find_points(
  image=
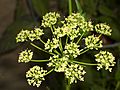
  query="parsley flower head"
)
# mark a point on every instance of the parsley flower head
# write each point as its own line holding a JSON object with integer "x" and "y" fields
{"x": 52, "y": 44}
{"x": 25, "y": 56}
{"x": 103, "y": 29}
{"x": 74, "y": 72}
{"x": 35, "y": 75}
{"x": 74, "y": 20}
{"x": 105, "y": 59}
{"x": 22, "y": 36}
{"x": 92, "y": 42}
{"x": 72, "y": 49}
{"x": 50, "y": 19}
{"x": 59, "y": 64}
{"x": 35, "y": 34}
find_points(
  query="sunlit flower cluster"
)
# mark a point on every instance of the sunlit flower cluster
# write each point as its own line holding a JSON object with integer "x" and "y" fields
{"x": 35, "y": 75}
{"x": 25, "y": 56}
{"x": 58, "y": 63}
{"x": 32, "y": 35}
{"x": 72, "y": 50}
{"x": 50, "y": 19}
{"x": 103, "y": 29}
{"x": 105, "y": 59}
{"x": 22, "y": 36}
{"x": 93, "y": 42}
{"x": 74, "y": 72}
{"x": 50, "y": 45}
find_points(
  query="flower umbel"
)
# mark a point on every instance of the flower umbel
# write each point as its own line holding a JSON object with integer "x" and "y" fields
{"x": 58, "y": 63}
{"x": 105, "y": 59}
{"x": 22, "y": 36}
{"x": 103, "y": 29}
{"x": 69, "y": 40}
{"x": 93, "y": 42}
{"x": 35, "y": 75}
{"x": 72, "y": 49}
{"x": 25, "y": 56}
{"x": 52, "y": 44}
{"x": 50, "y": 19}
{"x": 74, "y": 72}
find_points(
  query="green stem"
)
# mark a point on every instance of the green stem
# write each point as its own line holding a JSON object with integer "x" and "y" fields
{"x": 67, "y": 84}
{"x": 41, "y": 49}
{"x": 42, "y": 41}
{"x": 99, "y": 35}
{"x": 78, "y": 6}
{"x": 49, "y": 71}
{"x": 66, "y": 40}
{"x": 80, "y": 38}
{"x": 60, "y": 43}
{"x": 84, "y": 51}
{"x": 117, "y": 86}
{"x": 51, "y": 29}
{"x": 40, "y": 60}
{"x": 57, "y": 52}
{"x": 83, "y": 63}
{"x": 70, "y": 7}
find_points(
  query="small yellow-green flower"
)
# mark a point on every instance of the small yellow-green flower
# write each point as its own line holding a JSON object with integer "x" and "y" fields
{"x": 25, "y": 56}
{"x": 93, "y": 42}
{"x": 60, "y": 64}
{"x": 74, "y": 72}
{"x": 105, "y": 59}
{"x": 103, "y": 29}
{"x": 35, "y": 75}
{"x": 50, "y": 19}
{"x": 72, "y": 50}
{"x": 22, "y": 36}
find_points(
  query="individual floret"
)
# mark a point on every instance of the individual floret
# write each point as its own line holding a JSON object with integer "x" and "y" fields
{"x": 93, "y": 42}
{"x": 74, "y": 72}
{"x": 103, "y": 29}
{"x": 105, "y": 59}
{"x": 35, "y": 75}
{"x": 25, "y": 56}
{"x": 50, "y": 19}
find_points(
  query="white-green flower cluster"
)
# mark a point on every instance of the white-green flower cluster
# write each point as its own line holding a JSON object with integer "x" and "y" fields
{"x": 35, "y": 34}
{"x": 77, "y": 20}
{"x": 50, "y": 45}
{"x": 93, "y": 42}
{"x": 72, "y": 50}
{"x": 25, "y": 56}
{"x": 35, "y": 75}
{"x": 105, "y": 59}
{"x": 32, "y": 35}
{"x": 22, "y": 36}
{"x": 50, "y": 19}
{"x": 59, "y": 64}
{"x": 74, "y": 72}
{"x": 103, "y": 29}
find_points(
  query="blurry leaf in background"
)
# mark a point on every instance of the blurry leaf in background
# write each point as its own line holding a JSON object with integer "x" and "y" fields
{"x": 104, "y": 10}
{"x": 40, "y": 6}
{"x": 8, "y": 41}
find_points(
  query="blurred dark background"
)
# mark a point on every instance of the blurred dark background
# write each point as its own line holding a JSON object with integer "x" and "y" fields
{"x": 26, "y": 14}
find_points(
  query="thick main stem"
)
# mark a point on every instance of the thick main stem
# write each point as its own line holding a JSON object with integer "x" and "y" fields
{"x": 70, "y": 7}
{"x": 67, "y": 84}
